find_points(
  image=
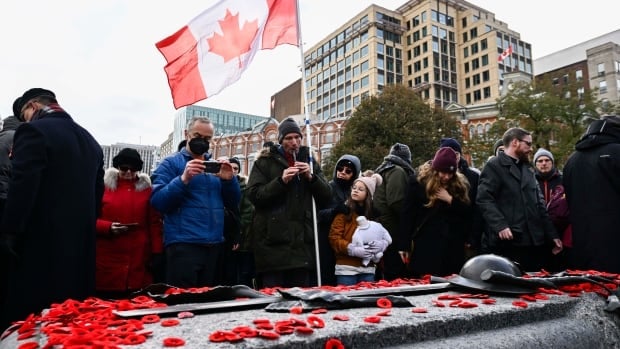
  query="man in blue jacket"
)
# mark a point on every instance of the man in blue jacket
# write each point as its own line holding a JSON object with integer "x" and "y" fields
{"x": 192, "y": 202}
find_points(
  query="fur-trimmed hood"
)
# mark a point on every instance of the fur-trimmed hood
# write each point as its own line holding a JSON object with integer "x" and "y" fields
{"x": 110, "y": 180}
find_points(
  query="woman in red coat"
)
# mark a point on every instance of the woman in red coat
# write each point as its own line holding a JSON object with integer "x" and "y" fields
{"x": 128, "y": 229}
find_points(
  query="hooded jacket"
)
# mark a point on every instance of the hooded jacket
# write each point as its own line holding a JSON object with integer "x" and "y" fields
{"x": 283, "y": 233}
{"x": 592, "y": 184}
{"x": 193, "y": 213}
{"x": 340, "y": 192}
{"x": 122, "y": 259}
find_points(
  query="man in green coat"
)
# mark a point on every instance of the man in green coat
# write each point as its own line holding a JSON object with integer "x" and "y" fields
{"x": 281, "y": 187}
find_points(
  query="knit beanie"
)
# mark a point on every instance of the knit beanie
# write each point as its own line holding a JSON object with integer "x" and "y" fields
{"x": 235, "y": 160}
{"x": 451, "y": 143}
{"x": 402, "y": 151}
{"x": 371, "y": 182}
{"x": 128, "y": 156}
{"x": 288, "y": 126}
{"x": 543, "y": 152}
{"x": 445, "y": 160}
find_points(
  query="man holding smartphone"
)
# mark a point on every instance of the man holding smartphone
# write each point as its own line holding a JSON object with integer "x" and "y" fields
{"x": 281, "y": 187}
{"x": 192, "y": 202}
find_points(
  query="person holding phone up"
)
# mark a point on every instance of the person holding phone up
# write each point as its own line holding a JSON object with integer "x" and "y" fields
{"x": 193, "y": 201}
{"x": 129, "y": 241}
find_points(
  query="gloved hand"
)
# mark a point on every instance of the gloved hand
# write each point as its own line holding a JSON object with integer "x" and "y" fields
{"x": 341, "y": 208}
{"x": 358, "y": 251}
{"x": 377, "y": 246}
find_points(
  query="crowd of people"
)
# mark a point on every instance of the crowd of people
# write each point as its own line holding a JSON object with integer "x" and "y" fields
{"x": 71, "y": 229}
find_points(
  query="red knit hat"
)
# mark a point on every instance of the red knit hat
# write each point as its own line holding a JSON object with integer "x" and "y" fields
{"x": 445, "y": 160}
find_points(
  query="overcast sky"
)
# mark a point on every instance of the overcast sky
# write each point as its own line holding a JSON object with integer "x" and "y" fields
{"x": 99, "y": 57}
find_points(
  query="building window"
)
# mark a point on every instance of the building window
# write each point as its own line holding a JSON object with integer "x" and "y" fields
{"x": 602, "y": 87}
{"x": 579, "y": 75}
{"x": 601, "y": 69}
{"x": 466, "y": 52}
{"x": 487, "y": 92}
{"x": 483, "y": 44}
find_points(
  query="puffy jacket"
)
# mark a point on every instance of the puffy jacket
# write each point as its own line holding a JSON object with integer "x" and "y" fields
{"x": 193, "y": 213}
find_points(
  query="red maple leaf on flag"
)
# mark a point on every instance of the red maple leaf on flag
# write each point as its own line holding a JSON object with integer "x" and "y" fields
{"x": 236, "y": 40}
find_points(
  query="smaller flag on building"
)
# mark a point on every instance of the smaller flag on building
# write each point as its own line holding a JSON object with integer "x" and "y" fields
{"x": 507, "y": 52}
{"x": 215, "y": 48}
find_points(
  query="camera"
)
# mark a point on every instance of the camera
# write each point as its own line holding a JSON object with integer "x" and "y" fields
{"x": 212, "y": 166}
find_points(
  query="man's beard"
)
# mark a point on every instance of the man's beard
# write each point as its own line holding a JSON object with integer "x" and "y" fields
{"x": 523, "y": 156}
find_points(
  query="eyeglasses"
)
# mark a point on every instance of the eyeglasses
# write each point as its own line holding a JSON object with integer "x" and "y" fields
{"x": 344, "y": 169}
{"x": 529, "y": 144}
{"x": 126, "y": 168}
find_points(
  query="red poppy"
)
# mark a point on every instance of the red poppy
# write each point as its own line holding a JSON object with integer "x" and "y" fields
{"x": 174, "y": 342}
{"x": 185, "y": 315}
{"x": 264, "y": 326}
{"x": 419, "y": 310}
{"x": 150, "y": 319}
{"x": 303, "y": 330}
{"x": 217, "y": 336}
{"x": 170, "y": 322}
{"x": 466, "y": 304}
{"x": 268, "y": 335}
{"x": 26, "y": 335}
{"x": 384, "y": 303}
{"x": 260, "y": 320}
{"x": 520, "y": 304}
{"x": 488, "y": 301}
{"x": 334, "y": 343}
{"x": 316, "y": 321}
{"x": 384, "y": 313}
{"x": 284, "y": 329}
{"x": 319, "y": 311}
{"x": 297, "y": 310}
{"x": 341, "y": 317}
{"x": 134, "y": 339}
{"x": 373, "y": 319}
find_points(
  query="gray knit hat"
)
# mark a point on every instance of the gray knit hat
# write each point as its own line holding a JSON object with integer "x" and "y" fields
{"x": 543, "y": 152}
{"x": 288, "y": 126}
{"x": 402, "y": 151}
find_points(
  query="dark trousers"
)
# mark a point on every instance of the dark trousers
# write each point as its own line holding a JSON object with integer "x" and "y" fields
{"x": 192, "y": 265}
{"x": 286, "y": 278}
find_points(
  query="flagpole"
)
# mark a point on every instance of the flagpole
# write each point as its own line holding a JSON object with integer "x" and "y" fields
{"x": 308, "y": 140}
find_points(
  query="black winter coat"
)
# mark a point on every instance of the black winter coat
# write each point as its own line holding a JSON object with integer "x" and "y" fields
{"x": 283, "y": 233}
{"x": 592, "y": 184}
{"x": 54, "y": 197}
{"x": 509, "y": 197}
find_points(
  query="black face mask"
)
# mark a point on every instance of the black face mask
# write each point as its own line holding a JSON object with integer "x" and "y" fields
{"x": 198, "y": 146}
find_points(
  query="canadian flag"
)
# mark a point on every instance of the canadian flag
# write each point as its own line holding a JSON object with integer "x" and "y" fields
{"x": 214, "y": 49}
{"x": 507, "y": 52}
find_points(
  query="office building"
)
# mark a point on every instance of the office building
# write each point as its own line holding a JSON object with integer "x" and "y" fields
{"x": 448, "y": 51}
{"x": 593, "y": 65}
{"x": 225, "y": 121}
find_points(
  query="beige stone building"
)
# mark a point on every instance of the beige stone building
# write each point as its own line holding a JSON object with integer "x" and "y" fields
{"x": 448, "y": 51}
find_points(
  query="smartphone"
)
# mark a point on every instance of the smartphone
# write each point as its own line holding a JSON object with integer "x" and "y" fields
{"x": 212, "y": 166}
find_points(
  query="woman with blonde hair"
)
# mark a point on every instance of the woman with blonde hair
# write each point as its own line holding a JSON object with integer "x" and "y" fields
{"x": 434, "y": 217}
